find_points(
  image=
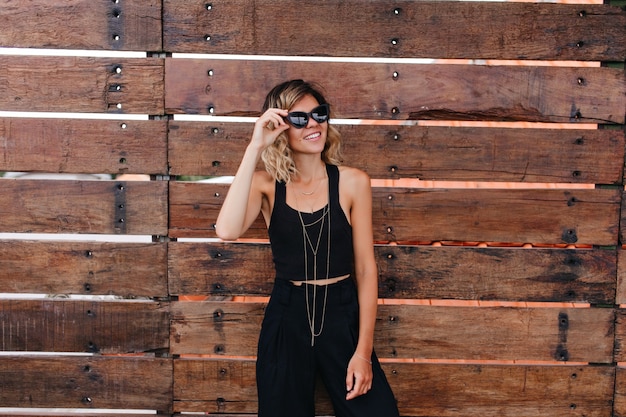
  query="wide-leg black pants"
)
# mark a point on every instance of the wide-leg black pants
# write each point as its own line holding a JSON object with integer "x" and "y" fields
{"x": 287, "y": 364}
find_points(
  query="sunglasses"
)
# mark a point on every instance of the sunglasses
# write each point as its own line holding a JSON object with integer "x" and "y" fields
{"x": 300, "y": 119}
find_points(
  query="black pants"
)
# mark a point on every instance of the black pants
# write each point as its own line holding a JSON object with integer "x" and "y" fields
{"x": 287, "y": 364}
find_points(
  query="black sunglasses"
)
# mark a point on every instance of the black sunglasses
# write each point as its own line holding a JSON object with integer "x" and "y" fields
{"x": 300, "y": 119}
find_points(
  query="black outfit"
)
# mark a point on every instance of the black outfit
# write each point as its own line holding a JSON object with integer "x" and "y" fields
{"x": 287, "y": 363}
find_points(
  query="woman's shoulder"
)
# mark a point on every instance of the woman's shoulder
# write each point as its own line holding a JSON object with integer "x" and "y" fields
{"x": 353, "y": 176}
{"x": 263, "y": 182}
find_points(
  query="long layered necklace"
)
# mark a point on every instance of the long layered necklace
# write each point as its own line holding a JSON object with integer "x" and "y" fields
{"x": 308, "y": 243}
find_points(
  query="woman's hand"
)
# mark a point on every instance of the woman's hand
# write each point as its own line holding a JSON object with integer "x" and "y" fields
{"x": 359, "y": 377}
{"x": 268, "y": 127}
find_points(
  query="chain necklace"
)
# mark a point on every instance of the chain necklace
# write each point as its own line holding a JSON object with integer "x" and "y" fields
{"x": 306, "y": 240}
{"x": 311, "y": 192}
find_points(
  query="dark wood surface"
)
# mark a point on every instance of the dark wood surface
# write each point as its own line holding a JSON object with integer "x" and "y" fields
{"x": 65, "y": 206}
{"x": 81, "y": 84}
{"x": 126, "y": 270}
{"x": 92, "y": 326}
{"x": 442, "y": 92}
{"x": 445, "y": 332}
{"x": 83, "y": 146}
{"x": 132, "y": 25}
{"x": 418, "y": 272}
{"x": 421, "y": 389}
{"x": 407, "y": 29}
{"x": 412, "y": 214}
{"x": 86, "y": 382}
{"x": 427, "y": 153}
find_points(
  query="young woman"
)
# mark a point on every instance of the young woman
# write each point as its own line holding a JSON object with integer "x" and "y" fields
{"x": 321, "y": 314}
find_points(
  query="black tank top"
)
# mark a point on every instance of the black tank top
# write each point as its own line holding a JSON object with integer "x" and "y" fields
{"x": 288, "y": 243}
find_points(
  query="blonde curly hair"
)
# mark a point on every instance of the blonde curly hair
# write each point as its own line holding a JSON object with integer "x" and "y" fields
{"x": 278, "y": 157}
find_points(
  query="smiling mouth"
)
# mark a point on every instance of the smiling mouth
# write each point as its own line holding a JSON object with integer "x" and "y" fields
{"x": 313, "y": 136}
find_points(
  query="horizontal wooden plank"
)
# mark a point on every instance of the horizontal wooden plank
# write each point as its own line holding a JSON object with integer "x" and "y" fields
{"x": 113, "y": 207}
{"x": 86, "y": 382}
{"x": 406, "y": 29}
{"x": 83, "y": 326}
{"x": 536, "y": 216}
{"x": 413, "y": 272}
{"x": 81, "y": 84}
{"x": 86, "y": 268}
{"x": 422, "y": 389}
{"x": 485, "y": 333}
{"x": 130, "y": 25}
{"x": 83, "y": 146}
{"x": 379, "y": 90}
{"x": 583, "y": 216}
{"x": 429, "y": 153}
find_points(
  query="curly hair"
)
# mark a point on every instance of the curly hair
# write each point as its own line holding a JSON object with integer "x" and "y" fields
{"x": 278, "y": 157}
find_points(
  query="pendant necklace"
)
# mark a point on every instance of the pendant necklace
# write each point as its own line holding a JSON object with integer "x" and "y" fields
{"x": 308, "y": 243}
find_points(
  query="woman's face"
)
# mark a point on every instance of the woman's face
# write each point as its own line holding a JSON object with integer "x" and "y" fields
{"x": 312, "y": 138}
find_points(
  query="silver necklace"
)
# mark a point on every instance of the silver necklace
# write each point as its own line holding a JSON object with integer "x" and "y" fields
{"x": 306, "y": 240}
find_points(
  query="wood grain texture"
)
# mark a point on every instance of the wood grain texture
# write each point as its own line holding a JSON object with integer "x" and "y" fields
{"x": 83, "y": 146}
{"x": 582, "y": 216}
{"x": 372, "y": 91}
{"x": 133, "y": 25}
{"x": 81, "y": 84}
{"x": 404, "y": 29}
{"x": 422, "y": 389}
{"x": 620, "y": 297}
{"x": 93, "y": 326}
{"x": 86, "y": 382}
{"x": 471, "y": 333}
{"x": 111, "y": 207}
{"x": 128, "y": 270}
{"x": 427, "y": 153}
{"x": 413, "y": 272}
{"x": 619, "y": 408}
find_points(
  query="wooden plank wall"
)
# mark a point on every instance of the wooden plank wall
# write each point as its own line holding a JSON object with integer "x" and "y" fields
{"x": 501, "y": 271}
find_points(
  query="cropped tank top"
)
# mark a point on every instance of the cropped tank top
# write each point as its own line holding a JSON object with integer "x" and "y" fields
{"x": 289, "y": 243}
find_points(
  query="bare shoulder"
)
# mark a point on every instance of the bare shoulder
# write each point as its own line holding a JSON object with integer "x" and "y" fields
{"x": 354, "y": 178}
{"x": 263, "y": 182}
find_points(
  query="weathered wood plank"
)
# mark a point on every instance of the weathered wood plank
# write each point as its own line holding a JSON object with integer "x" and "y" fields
{"x": 619, "y": 407}
{"x": 422, "y": 389}
{"x": 86, "y": 382}
{"x": 371, "y": 91}
{"x": 83, "y": 146}
{"x": 83, "y": 326}
{"x": 620, "y": 297}
{"x": 418, "y": 272}
{"x": 622, "y": 229}
{"x": 546, "y": 216}
{"x": 133, "y": 25}
{"x": 430, "y": 153}
{"x": 107, "y": 85}
{"x": 406, "y": 29}
{"x": 620, "y": 335}
{"x": 581, "y": 216}
{"x": 486, "y": 333}
{"x": 87, "y": 268}
{"x": 114, "y": 207}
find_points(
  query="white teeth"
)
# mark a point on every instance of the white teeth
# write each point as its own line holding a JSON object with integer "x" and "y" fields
{"x": 313, "y": 136}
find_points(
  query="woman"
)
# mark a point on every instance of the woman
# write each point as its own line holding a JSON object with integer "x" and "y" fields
{"x": 321, "y": 314}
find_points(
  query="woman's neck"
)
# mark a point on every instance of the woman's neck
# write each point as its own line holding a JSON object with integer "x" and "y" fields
{"x": 309, "y": 169}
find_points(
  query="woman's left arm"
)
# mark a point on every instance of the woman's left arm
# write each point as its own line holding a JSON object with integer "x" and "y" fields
{"x": 359, "y": 377}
